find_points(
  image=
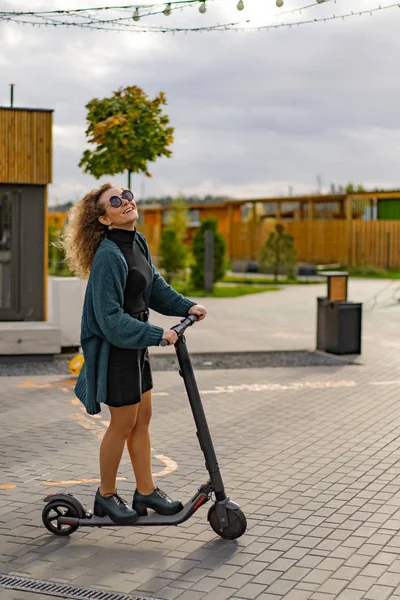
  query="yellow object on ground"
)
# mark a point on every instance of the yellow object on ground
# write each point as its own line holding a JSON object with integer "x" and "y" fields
{"x": 75, "y": 364}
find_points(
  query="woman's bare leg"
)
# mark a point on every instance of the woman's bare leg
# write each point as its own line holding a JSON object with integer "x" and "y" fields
{"x": 123, "y": 421}
{"x": 139, "y": 447}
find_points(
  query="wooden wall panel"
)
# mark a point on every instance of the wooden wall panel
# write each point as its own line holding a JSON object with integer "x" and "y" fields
{"x": 367, "y": 243}
{"x": 25, "y": 146}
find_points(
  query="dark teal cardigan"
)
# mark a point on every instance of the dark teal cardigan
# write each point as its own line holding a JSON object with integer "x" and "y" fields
{"x": 104, "y": 321}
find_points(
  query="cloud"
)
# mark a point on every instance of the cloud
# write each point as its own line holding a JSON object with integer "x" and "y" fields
{"x": 254, "y": 112}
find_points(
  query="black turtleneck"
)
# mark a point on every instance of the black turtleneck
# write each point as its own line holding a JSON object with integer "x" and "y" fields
{"x": 139, "y": 271}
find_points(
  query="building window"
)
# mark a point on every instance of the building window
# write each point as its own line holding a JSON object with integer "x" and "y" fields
{"x": 165, "y": 217}
{"x": 194, "y": 217}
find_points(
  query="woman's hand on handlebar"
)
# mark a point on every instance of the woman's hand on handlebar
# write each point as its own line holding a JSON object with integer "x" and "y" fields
{"x": 170, "y": 336}
{"x": 199, "y": 310}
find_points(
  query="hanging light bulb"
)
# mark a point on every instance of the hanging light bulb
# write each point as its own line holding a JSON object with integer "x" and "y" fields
{"x": 279, "y": 3}
{"x": 167, "y": 10}
{"x": 240, "y": 5}
{"x": 136, "y": 15}
{"x": 202, "y": 8}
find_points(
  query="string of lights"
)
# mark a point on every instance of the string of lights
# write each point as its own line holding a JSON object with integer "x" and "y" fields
{"x": 333, "y": 17}
{"x": 131, "y": 11}
{"x": 300, "y": 9}
{"x": 139, "y": 10}
{"x": 175, "y": 3}
{"x": 125, "y": 23}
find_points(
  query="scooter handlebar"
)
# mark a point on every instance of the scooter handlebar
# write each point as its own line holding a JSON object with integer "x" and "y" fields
{"x": 181, "y": 327}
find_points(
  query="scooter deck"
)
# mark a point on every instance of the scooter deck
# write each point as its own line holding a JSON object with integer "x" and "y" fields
{"x": 153, "y": 518}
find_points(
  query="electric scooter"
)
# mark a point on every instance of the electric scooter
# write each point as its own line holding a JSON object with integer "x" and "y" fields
{"x": 64, "y": 513}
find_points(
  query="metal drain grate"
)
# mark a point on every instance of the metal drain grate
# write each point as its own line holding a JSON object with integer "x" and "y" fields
{"x": 61, "y": 590}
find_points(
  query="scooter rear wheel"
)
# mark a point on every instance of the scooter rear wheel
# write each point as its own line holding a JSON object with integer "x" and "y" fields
{"x": 237, "y": 523}
{"x": 55, "y": 509}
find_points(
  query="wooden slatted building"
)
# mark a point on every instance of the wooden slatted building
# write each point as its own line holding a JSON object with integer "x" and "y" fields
{"x": 25, "y": 172}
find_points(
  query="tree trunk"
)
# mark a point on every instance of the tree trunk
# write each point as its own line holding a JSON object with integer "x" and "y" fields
{"x": 129, "y": 180}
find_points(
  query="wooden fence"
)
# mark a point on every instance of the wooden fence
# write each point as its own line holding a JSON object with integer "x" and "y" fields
{"x": 351, "y": 243}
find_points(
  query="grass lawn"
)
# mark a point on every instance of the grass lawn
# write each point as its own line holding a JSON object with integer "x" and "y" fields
{"x": 226, "y": 291}
{"x": 266, "y": 280}
{"x": 373, "y": 273}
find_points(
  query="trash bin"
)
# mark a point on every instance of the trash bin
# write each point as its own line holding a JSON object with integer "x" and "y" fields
{"x": 338, "y": 320}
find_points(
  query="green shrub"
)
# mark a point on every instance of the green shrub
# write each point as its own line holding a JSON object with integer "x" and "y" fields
{"x": 278, "y": 253}
{"x": 178, "y": 217}
{"x": 172, "y": 254}
{"x": 56, "y": 253}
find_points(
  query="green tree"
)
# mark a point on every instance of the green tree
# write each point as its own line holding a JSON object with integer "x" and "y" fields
{"x": 278, "y": 253}
{"x": 352, "y": 189}
{"x": 198, "y": 248}
{"x": 172, "y": 254}
{"x": 128, "y": 131}
{"x": 178, "y": 217}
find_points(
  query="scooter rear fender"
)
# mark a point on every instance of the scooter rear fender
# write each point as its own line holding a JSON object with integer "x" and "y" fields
{"x": 68, "y": 497}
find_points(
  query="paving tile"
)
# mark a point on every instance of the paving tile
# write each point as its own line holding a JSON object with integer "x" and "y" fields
{"x": 384, "y": 558}
{"x": 220, "y": 593}
{"x": 333, "y": 586}
{"x": 281, "y": 586}
{"x": 206, "y": 584}
{"x": 358, "y": 561}
{"x": 181, "y": 584}
{"x": 362, "y": 583}
{"x": 296, "y": 573}
{"x": 317, "y": 576}
{"x": 372, "y": 570}
{"x": 331, "y": 564}
{"x": 348, "y": 594}
{"x": 169, "y": 593}
{"x": 267, "y": 577}
{"x": 253, "y": 568}
{"x": 379, "y": 592}
{"x": 194, "y": 574}
{"x": 297, "y": 594}
{"x": 389, "y": 579}
{"x": 236, "y": 581}
{"x": 310, "y": 561}
{"x": 154, "y": 585}
{"x": 347, "y": 573}
{"x": 225, "y": 571}
{"x": 282, "y": 564}
{"x": 191, "y": 595}
{"x": 252, "y": 590}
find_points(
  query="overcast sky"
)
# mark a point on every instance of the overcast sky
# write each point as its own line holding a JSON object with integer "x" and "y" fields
{"x": 254, "y": 112}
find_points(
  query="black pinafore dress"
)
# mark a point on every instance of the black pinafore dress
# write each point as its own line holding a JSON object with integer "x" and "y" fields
{"x": 129, "y": 372}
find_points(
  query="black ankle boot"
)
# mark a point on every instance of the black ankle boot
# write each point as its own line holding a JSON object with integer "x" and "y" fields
{"x": 158, "y": 501}
{"x": 114, "y": 507}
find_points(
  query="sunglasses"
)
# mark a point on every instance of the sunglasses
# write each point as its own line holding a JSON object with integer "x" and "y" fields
{"x": 116, "y": 201}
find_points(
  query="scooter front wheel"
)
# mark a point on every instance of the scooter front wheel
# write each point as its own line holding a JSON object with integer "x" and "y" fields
{"x": 55, "y": 509}
{"x": 237, "y": 523}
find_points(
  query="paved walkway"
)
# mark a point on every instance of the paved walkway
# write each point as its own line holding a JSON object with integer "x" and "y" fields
{"x": 286, "y": 320}
{"x": 310, "y": 454}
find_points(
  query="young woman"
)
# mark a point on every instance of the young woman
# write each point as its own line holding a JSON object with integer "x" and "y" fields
{"x": 103, "y": 244}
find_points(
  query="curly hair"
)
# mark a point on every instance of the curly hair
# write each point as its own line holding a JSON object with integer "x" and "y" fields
{"x": 83, "y": 232}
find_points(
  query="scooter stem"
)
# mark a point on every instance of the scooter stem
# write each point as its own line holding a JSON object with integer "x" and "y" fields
{"x": 203, "y": 432}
